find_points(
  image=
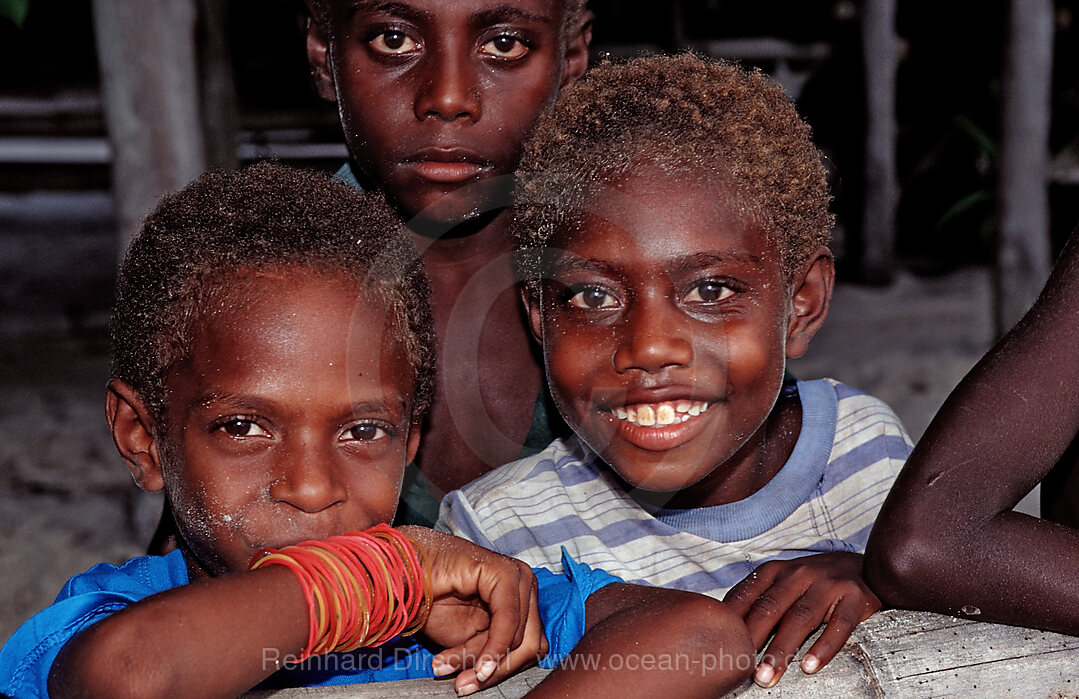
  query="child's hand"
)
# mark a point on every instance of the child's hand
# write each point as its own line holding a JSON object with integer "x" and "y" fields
{"x": 793, "y": 598}
{"x": 485, "y": 611}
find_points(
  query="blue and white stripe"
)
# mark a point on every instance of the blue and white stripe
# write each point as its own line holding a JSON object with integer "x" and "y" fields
{"x": 825, "y": 498}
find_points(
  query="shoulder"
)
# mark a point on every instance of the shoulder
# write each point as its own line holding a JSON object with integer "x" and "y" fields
{"x": 869, "y": 449}
{"x": 27, "y": 657}
{"x": 137, "y": 578}
{"x": 861, "y": 417}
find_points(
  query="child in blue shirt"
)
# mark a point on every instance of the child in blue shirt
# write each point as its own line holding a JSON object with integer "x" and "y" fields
{"x": 672, "y": 223}
{"x": 272, "y": 358}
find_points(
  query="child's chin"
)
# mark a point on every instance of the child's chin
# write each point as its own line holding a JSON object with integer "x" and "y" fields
{"x": 662, "y": 474}
{"x": 441, "y": 208}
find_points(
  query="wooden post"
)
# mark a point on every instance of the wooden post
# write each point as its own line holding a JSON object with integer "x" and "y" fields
{"x": 880, "y": 55}
{"x": 149, "y": 84}
{"x": 1023, "y": 238}
{"x": 220, "y": 112}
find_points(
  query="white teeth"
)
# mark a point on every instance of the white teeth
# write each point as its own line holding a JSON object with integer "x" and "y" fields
{"x": 660, "y": 414}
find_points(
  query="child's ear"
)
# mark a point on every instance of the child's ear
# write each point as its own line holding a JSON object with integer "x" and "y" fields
{"x": 133, "y": 431}
{"x": 810, "y": 300}
{"x": 318, "y": 56}
{"x": 530, "y": 298}
{"x": 577, "y": 43}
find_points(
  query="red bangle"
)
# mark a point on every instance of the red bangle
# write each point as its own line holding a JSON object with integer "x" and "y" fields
{"x": 361, "y": 589}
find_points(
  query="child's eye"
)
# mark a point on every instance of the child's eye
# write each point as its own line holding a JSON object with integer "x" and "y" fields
{"x": 505, "y": 46}
{"x": 393, "y": 43}
{"x": 592, "y": 297}
{"x": 708, "y": 292}
{"x": 241, "y": 427}
{"x": 363, "y": 432}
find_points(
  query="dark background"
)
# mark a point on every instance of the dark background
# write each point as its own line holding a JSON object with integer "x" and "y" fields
{"x": 948, "y": 97}
{"x": 66, "y": 502}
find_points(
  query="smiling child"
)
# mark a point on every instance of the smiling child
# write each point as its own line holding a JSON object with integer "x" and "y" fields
{"x": 271, "y": 362}
{"x": 673, "y": 221}
{"x": 436, "y": 99}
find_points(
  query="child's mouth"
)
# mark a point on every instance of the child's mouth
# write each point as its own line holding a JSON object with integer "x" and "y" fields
{"x": 658, "y": 415}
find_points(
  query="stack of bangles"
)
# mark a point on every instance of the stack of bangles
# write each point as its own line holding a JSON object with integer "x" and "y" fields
{"x": 362, "y": 588}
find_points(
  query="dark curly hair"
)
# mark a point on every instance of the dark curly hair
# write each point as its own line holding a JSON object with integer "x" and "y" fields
{"x": 266, "y": 216}
{"x": 689, "y": 115}
{"x": 320, "y": 12}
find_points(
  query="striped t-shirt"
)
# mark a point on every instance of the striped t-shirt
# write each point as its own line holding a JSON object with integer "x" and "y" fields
{"x": 825, "y": 498}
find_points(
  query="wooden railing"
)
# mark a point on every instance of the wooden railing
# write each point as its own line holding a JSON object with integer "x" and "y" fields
{"x": 894, "y": 654}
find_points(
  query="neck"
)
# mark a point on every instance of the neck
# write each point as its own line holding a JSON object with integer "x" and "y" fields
{"x": 468, "y": 244}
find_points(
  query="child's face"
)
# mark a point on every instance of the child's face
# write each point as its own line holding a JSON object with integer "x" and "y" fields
{"x": 665, "y": 325}
{"x": 290, "y": 421}
{"x": 436, "y": 96}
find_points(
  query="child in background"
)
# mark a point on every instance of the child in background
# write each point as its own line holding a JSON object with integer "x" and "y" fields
{"x": 271, "y": 361}
{"x": 672, "y": 222}
{"x": 948, "y": 540}
{"x": 436, "y": 99}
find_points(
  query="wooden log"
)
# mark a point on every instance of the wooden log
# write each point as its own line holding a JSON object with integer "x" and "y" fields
{"x": 896, "y": 653}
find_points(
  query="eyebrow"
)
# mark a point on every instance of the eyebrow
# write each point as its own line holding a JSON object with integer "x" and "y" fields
{"x": 356, "y": 409}
{"x": 581, "y": 264}
{"x": 391, "y": 8}
{"x": 701, "y": 260}
{"x": 494, "y": 15}
{"x": 508, "y": 13}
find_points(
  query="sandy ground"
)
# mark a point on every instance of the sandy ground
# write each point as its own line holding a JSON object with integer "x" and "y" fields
{"x": 66, "y": 501}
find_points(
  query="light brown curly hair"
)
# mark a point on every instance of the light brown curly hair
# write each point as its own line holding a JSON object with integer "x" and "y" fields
{"x": 693, "y": 117}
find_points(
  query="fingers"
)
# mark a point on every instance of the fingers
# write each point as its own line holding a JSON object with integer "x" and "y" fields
{"x": 850, "y": 612}
{"x": 480, "y": 662}
{"x": 511, "y": 596}
{"x": 792, "y": 598}
{"x": 772, "y": 604}
{"x": 799, "y": 622}
{"x": 742, "y": 596}
{"x": 459, "y": 657}
{"x": 843, "y": 605}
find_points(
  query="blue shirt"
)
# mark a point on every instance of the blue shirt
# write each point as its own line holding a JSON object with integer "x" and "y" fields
{"x": 27, "y": 657}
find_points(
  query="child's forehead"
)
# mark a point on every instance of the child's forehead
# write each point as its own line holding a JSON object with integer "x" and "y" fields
{"x": 241, "y": 301}
{"x": 433, "y": 9}
{"x": 292, "y": 316}
{"x": 651, "y": 212}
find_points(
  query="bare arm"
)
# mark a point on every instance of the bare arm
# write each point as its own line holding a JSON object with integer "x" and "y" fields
{"x": 946, "y": 539}
{"x": 644, "y": 641}
{"x": 222, "y": 636}
{"x": 203, "y": 639}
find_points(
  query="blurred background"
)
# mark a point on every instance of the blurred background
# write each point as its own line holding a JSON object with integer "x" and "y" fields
{"x": 950, "y": 130}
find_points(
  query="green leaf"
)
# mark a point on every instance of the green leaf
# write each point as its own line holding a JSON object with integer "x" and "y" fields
{"x": 962, "y": 206}
{"x": 15, "y": 10}
{"x": 977, "y": 134}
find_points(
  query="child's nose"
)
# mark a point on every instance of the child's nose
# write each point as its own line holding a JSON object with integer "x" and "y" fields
{"x": 652, "y": 341}
{"x": 449, "y": 89}
{"x": 307, "y": 479}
